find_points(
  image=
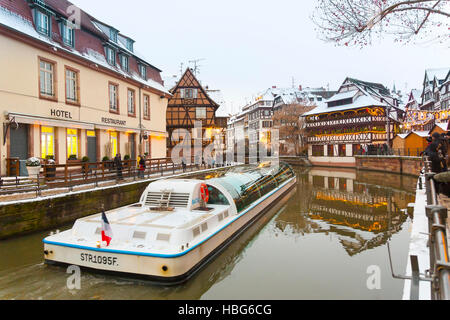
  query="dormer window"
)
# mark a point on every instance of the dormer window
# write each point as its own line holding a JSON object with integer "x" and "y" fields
{"x": 113, "y": 35}
{"x": 129, "y": 45}
{"x": 143, "y": 71}
{"x": 124, "y": 62}
{"x": 68, "y": 34}
{"x": 110, "y": 56}
{"x": 42, "y": 23}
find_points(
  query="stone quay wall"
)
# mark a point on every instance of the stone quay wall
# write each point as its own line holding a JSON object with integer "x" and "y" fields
{"x": 395, "y": 164}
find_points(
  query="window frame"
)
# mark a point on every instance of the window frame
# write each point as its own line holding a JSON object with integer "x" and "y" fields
{"x": 146, "y": 108}
{"x": 76, "y": 102}
{"x": 116, "y": 85}
{"x": 134, "y": 102}
{"x": 77, "y": 140}
{"x": 113, "y": 56}
{"x": 127, "y": 59}
{"x": 37, "y": 21}
{"x": 45, "y": 96}
{"x": 64, "y": 27}
{"x": 197, "y": 114}
{"x": 52, "y": 134}
{"x": 142, "y": 71}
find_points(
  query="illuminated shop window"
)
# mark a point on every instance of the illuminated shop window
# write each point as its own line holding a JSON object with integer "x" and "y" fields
{"x": 72, "y": 143}
{"x": 113, "y": 141}
{"x": 47, "y": 142}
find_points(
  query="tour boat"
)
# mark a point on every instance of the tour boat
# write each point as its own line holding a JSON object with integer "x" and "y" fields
{"x": 176, "y": 228}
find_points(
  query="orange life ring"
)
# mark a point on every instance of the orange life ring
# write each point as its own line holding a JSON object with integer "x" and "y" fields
{"x": 204, "y": 193}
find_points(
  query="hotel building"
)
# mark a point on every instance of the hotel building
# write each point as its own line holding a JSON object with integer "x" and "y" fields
{"x": 72, "y": 86}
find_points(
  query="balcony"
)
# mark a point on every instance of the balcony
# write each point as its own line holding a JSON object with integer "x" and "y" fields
{"x": 346, "y": 121}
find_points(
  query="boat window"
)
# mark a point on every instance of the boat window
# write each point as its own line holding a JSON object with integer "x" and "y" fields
{"x": 267, "y": 184}
{"x": 248, "y": 185}
{"x": 284, "y": 174}
{"x": 217, "y": 197}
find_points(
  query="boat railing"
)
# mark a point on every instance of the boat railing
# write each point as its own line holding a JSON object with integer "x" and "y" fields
{"x": 437, "y": 218}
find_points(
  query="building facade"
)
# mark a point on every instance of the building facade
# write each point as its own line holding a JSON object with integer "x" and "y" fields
{"x": 360, "y": 116}
{"x": 436, "y": 89}
{"x": 189, "y": 104}
{"x": 70, "y": 91}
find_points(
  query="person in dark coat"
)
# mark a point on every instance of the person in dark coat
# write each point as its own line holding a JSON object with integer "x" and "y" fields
{"x": 432, "y": 151}
{"x": 142, "y": 167}
{"x": 118, "y": 166}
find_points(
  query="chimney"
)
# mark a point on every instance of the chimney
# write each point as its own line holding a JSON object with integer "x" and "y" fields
{"x": 274, "y": 87}
{"x": 300, "y": 88}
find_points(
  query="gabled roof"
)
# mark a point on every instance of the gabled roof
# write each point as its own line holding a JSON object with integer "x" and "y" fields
{"x": 438, "y": 73}
{"x": 360, "y": 102}
{"x": 189, "y": 80}
{"x": 422, "y": 134}
{"x": 370, "y": 86}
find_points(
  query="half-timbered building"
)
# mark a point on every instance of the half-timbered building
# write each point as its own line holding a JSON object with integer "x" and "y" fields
{"x": 361, "y": 115}
{"x": 189, "y": 104}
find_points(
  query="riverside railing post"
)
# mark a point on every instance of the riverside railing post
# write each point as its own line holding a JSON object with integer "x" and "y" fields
{"x": 440, "y": 263}
{"x": 428, "y": 182}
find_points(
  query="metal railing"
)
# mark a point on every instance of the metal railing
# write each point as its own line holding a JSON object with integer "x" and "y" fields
{"x": 437, "y": 217}
{"x": 71, "y": 175}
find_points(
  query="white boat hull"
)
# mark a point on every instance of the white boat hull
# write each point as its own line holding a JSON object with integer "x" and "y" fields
{"x": 173, "y": 270}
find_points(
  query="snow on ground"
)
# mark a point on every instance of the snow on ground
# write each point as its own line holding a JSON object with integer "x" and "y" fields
{"x": 418, "y": 246}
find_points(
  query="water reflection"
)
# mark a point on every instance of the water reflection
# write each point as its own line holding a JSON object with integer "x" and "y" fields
{"x": 363, "y": 215}
{"x": 316, "y": 241}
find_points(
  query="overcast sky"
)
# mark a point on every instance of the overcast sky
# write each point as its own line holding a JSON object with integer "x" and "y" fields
{"x": 251, "y": 45}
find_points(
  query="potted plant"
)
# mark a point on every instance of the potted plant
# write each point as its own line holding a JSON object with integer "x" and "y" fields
{"x": 106, "y": 163}
{"x": 73, "y": 159}
{"x": 33, "y": 166}
{"x": 85, "y": 161}
{"x": 50, "y": 168}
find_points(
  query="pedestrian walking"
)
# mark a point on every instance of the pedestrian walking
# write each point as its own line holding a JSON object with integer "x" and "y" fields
{"x": 142, "y": 167}
{"x": 118, "y": 166}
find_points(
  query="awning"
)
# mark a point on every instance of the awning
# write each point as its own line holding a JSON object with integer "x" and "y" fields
{"x": 28, "y": 119}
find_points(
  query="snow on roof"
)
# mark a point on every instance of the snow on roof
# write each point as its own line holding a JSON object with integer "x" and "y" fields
{"x": 18, "y": 23}
{"x": 443, "y": 126}
{"x": 439, "y": 73}
{"x": 360, "y": 102}
{"x": 423, "y": 134}
{"x": 416, "y": 94}
{"x": 343, "y": 95}
{"x": 403, "y": 135}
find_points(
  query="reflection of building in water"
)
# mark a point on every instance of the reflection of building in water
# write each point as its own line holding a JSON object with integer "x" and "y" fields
{"x": 360, "y": 214}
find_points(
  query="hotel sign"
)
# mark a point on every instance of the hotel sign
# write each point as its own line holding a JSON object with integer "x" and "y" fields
{"x": 114, "y": 121}
{"x": 61, "y": 114}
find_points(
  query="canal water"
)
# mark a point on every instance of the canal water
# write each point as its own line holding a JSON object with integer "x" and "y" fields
{"x": 328, "y": 239}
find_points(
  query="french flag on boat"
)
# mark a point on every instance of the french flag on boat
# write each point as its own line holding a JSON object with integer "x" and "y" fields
{"x": 107, "y": 234}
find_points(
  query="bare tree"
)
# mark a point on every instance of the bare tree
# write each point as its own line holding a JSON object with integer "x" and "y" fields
{"x": 290, "y": 125}
{"x": 357, "y": 22}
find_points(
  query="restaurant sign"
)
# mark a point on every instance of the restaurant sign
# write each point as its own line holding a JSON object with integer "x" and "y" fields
{"x": 114, "y": 121}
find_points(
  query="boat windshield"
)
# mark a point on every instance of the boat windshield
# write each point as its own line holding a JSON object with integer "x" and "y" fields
{"x": 247, "y": 186}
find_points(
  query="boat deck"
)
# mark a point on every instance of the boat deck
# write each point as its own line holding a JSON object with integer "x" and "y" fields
{"x": 139, "y": 229}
